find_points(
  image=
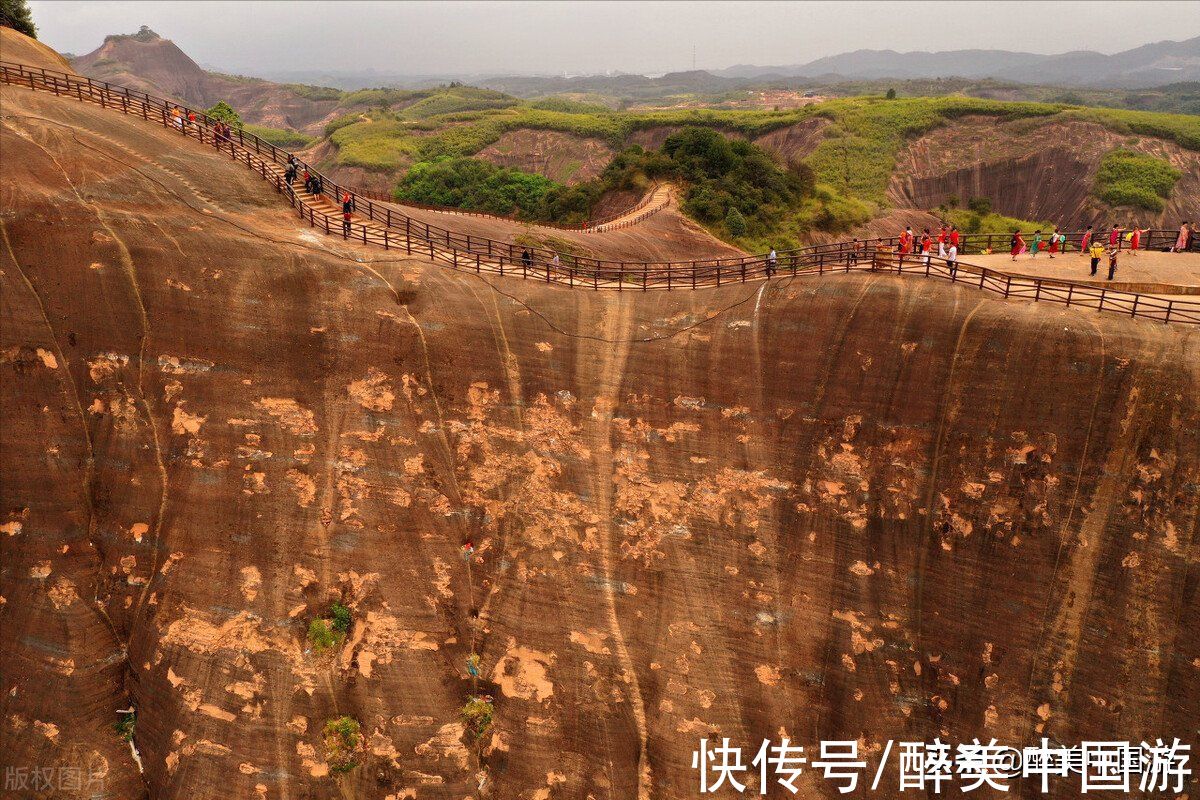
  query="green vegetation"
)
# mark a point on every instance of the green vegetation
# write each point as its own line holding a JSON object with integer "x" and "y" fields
{"x": 126, "y": 725}
{"x": 225, "y": 113}
{"x": 15, "y": 14}
{"x": 321, "y": 636}
{"x": 342, "y": 742}
{"x": 478, "y": 185}
{"x": 280, "y": 138}
{"x": 732, "y": 186}
{"x": 974, "y": 222}
{"x": 1126, "y": 178}
{"x": 341, "y": 618}
{"x": 325, "y": 634}
{"x": 477, "y": 715}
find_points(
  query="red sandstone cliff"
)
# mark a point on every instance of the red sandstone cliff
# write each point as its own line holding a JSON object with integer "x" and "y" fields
{"x": 847, "y": 508}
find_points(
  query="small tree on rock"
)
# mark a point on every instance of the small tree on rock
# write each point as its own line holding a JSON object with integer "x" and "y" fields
{"x": 225, "y": 113}
{"x": 891, "y": 94}
{"x": 15, "y": 14}
{"x": 735, "y": 223}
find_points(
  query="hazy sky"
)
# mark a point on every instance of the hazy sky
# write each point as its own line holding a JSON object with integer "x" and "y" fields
{"x": 590, "y": 37}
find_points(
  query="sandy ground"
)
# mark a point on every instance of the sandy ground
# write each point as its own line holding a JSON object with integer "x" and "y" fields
{"x": 1180, "y": 270}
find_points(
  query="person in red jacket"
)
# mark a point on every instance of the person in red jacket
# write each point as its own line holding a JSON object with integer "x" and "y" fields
{"x": 954, "y": 236}
{"x": 1086, "y": 241}
{"x": 906, "y": 239}
{"x": 943, "y": 235}
{"x": 1114, "y": 236}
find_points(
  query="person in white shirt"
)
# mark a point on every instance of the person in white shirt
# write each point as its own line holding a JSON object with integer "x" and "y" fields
{"x": 952, "y": 259}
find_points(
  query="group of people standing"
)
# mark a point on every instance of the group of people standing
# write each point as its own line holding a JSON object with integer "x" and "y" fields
{"x": 947, "y": 241}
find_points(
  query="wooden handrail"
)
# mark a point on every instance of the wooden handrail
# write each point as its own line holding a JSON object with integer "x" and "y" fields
{"x": 461, "y": 251}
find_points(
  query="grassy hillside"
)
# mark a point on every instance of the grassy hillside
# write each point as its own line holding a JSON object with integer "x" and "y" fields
{"x": 393, "y": 130}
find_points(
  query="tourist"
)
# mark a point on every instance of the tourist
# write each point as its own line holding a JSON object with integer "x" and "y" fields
{"x": 943, "y": 235}
{"x": 1054, "y": 237}
{"x": 1135, "y": 240}
{"x": 952, "y": 260}
{"x": 289, "y": 174}
{"x": 556, "y": 262}
{"x": 1016, "y": 244}
{"x": 177, "y": 118}
{"x": 346, "y": 203}
{"x": 926, "y": 245}
{"x": 1097, "y": 252}
{"x": 1191, "y": 240}
{"x": 1036, "y": 244}
{"x": 1085, "y": 243}
{"x": 345, "y": 223}
{"x": 1114, "y": 236}
{"x": 771, "y": 259}
{"x": 318, "y": 185}
{"x": 526, "y": 258}
{"x": 1113, "y": 252}
{"x": 906, "y": 242}
{"x": 1182, "y": 241}
{"x": 954, "y": 236}
{"x": 855, "y": 247}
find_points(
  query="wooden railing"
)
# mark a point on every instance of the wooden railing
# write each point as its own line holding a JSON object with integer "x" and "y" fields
{"x": 391, "y": 229}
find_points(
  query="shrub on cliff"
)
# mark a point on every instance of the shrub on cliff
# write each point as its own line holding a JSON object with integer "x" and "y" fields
{"x": 343, "y": 739}
{"x": 1126, "y": 178}
{"x": 320, "y": 636}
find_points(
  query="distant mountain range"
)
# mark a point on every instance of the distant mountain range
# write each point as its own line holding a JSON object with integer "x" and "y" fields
{"x": 1148, "y": 65}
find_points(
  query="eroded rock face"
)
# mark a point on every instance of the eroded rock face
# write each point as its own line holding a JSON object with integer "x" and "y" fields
{"x": 553, "y": 154}
{"x": 1032, "y": 169}
{"x": 849, "y": 508}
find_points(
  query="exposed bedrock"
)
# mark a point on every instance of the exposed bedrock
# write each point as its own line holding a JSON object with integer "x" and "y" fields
{"x": 861, "y": 507}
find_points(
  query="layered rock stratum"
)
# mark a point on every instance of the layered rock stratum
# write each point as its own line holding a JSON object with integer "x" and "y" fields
{"x": 857, "y": 507}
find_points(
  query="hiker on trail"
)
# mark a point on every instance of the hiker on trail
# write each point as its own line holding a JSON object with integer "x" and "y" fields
{"x": 1016, "y": 245}
{"x": 906, "y": 241}
{"x": 954, "y": 236}
{"x": 1096, "y": 252}
{"x": 347, "y": 202}
{"x": 345, "y": 223}
{"x": 526, "y": 258}
{"x": 943, "y": 236}
{"x": 318, "y": 185}
{"x": 952, "y": 260}
{"x": 771, "y": 260}
{"x": 307, "y": 181}
{"x": 1086, "y": 242}
{"x": 191, "y": 118}
{"x": 1114, "y": 236}
{"x": 926, "y": 246}
{"x": 1054, "y": 237}
{"x": 177, "y": 117}
{"x": 855, "y": 247}
{"x": 289, "y": 174}
{"x": 1113, "y": 252}
{"x": 1182, "y": 241}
